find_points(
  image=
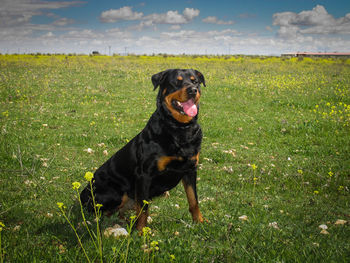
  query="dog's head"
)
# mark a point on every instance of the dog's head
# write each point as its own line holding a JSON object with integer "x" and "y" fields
{"x": 179, "y": 92}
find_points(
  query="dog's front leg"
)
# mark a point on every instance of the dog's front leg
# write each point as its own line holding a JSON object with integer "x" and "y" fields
{"x": 189, "y": 182}
{"x": 142, "y": 199}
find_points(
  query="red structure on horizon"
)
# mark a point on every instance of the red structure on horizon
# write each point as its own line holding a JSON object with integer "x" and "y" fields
{"x": 317, "y": 54}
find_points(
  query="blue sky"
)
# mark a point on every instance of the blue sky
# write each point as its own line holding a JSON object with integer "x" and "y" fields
{"x": 182, "y": 26}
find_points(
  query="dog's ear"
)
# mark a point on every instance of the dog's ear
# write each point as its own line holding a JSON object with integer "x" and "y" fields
{"x": 159, "y": 78}
{"x": 201, "y": 77}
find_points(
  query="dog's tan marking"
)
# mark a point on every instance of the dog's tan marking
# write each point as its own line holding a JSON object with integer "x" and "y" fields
{"x": 179, "y": 78}
{"x": 163, "y": 161}
{"x": 126, "y": 204}
{"x": 195, "y": 158}
{"x": 193, "y": 203}
{"x": 142, "y": 217}
{"x": 125, "y": 199}
{"x": 192, "y": 78}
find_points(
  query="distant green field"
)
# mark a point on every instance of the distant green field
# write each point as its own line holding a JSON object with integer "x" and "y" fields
{"x": 274, "y": 165}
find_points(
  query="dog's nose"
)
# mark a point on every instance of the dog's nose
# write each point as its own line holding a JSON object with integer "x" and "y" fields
{"x": 192, "y": 91}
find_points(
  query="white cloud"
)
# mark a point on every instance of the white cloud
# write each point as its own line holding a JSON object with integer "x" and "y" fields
{"x": 123, "y": 13}
{"x": 170, "y": 17}
{"x": 20, "y": 12}
{"x": 315, "y": 21}
{"x": 190, "y": 13}
{"x": 86, "y": 34}
{"x": 215, "y": 20}
{"x": 181, "y": 34}
{"x": 63, "y": 21}
{"x": 142, "y": 24}
{"x": 315, "y": 17}
{"x": 170, "y": 41}
{"x": 289, "y": 32}
{"x": 49, "y": 35}
{"x": 173, "y": 17}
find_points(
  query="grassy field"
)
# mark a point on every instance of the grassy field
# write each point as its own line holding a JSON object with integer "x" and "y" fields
{"x": 274, "y": 166}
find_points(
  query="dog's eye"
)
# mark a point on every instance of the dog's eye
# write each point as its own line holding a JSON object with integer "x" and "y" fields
{"x": 193, "y": 79}
{"x": 178, "y": 82}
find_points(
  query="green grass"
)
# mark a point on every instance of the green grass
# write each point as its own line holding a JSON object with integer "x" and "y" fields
{"x": 289, "y": 118}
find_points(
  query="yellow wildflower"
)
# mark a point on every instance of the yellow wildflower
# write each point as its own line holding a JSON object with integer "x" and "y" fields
{"x": 60, "y": 205}
{"x": 146, "y": 230}
{"x": 154, "y": 244}
{"x": 88, "y": 176}
{"x": 76, "y": 185}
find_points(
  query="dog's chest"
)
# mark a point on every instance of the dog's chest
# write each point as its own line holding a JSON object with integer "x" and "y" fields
{"x": 183, "y": 143}
{"x": 177, "y": 162}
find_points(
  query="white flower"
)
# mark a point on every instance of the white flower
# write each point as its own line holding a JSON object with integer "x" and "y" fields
{"x": 28, "y": 182}
{"x": 274, "y": 225}
{"x": 89, "y": 150}
{"x": 243, "y": 218}
{"x": 116, "y": 231}
{"x": 49, "y": 215}
{"x": 324, "y": 227}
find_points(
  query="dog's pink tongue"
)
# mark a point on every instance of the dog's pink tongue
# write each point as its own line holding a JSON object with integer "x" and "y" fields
{"x": 190, "y": 108}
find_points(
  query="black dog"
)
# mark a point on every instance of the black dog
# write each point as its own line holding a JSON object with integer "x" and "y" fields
{"x": 164, "y": 153}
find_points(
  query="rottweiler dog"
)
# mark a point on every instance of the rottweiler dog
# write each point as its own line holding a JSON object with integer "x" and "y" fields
{"x": 164, "y": 153}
